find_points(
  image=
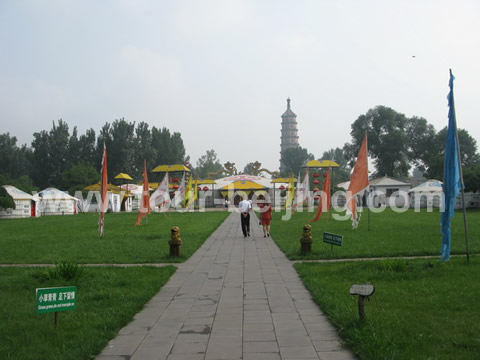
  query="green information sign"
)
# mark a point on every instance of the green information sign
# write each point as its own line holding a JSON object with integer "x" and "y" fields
{"x": 332, "y": 239}
{"x": 56, "y": 299}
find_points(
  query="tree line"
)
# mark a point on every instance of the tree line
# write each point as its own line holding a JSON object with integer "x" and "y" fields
{"x": 64, "y": 159}
{"x": 396, "y": 145}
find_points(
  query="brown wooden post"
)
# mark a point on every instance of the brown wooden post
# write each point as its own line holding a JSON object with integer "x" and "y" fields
{"x": 361, "y": 307}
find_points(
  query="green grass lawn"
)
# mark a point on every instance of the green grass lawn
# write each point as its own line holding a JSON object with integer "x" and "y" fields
{"x": 107, "y": 299}
{"x": 51, "y": 239}
{"x": 390, "y": 234}
{"x": 420, "y": 310}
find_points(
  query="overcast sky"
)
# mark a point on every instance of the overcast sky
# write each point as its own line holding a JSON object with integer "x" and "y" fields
{"x": 219, "y": 72}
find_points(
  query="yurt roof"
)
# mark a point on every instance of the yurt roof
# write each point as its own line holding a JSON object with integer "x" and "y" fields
{"x": 17, "y": 194}
{"x": 260, "y": 182}
{"x": 243, "y": 185}
{"x": 387, "y": 181}
{"x": 53, "y": 194}
{"x": 430, "y": 186}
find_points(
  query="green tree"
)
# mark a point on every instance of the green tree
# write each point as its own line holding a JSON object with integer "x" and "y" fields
{"x": 79, "y": 176}
{"x": 293, "y": 159}
{"x": 421, "y": 141}
{"x": 208, "y": 163}
{"x": 41, "y": 165}
{"x": 434, "y": 160}
{"x": 342, "y": 172}
{"x": 144, "y": 149}
{"x": 169, "y": 148}
{"x": 50, "y": 154}
{"x": 88, "y": 150}
{"x": 471, "y": 178}
{"x": 387, "y": 141}
{"x": 14, "y": 161}
{"x": 119, "y": 138}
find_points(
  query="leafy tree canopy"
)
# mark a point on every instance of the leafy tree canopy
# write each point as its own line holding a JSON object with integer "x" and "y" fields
{"x": 342, "y": 172}
{"x": 293, "y": 159}
{"x": 209, "y": 164}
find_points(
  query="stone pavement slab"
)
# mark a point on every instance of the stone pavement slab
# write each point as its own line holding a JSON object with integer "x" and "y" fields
{"x": 235, "y": 298}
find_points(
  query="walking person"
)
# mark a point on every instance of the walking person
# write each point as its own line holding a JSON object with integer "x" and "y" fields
{"x": 244, "y": 206}
{"x": 266, "y": 218}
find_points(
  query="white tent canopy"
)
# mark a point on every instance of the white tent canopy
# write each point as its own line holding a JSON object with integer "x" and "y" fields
{"x": 428, "y": 194}
{"x": 429, "y": 186}
{"x": 23, "y": 203}
{"x": 52, "y": 201}
{"x": 17, "y": 194}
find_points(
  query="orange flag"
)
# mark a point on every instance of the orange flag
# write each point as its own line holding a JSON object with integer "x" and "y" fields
{"x": 324, "y": 201}
{"x": 358, "y": 181}
{"x": 145, "y": 203}
{"x": 103, "y": 191}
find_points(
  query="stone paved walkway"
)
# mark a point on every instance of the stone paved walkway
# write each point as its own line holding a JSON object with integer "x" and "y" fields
{"x": 235, "y": 298}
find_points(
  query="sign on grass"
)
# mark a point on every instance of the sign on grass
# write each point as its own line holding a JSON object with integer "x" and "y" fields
{"x": 332, "y": 239}
{"x": 56, "y": 299}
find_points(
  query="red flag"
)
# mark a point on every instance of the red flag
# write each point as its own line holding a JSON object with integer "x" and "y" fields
{"x": 103, "y": 191}
{"x": 145, "y": 203}
{"x": 324, "y": 201}
{"x": 358, "y": 181}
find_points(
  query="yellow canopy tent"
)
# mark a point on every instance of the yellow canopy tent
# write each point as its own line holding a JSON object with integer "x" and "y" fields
{"x": 321, "y": 164}
{"x": 110, "y": 187}
{"x": 283, "y": 180}
{"x": 123, "y": 176}
{"x": 171, "y": 168}
{"x": 245, "y": 186}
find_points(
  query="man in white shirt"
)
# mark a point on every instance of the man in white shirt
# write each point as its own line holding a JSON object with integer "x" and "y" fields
{"x": 245, "y": 206}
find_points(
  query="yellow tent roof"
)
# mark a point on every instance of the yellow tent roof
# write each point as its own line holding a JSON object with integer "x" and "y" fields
{"x": 123, "y": 176}
{"x": 283, "y": 180}
{"x": 243, "y": 185}
{"x": 110, "y": 187}
{"x": 165, "y": 168}
{"x": 321, "y": 164}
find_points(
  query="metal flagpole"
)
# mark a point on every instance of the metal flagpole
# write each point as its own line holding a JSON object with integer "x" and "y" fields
{"x": 461, "y": 176}
{"x": 368, "y": 192}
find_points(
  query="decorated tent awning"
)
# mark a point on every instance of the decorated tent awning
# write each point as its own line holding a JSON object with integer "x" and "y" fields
{"x": 123, "y": 176}
{"x": 243, "y": 185}
{"x": 320, "y": 164}
{"x": 171, "y": 168}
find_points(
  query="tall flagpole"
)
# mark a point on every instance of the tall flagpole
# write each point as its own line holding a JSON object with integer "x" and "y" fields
{"x": 462, "y": 187}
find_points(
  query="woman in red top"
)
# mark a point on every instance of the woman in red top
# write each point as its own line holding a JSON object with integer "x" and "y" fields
{"x": 266, "y": 218}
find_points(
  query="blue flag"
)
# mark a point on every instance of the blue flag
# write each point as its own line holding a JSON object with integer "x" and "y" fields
{"x": 451, "y": 173}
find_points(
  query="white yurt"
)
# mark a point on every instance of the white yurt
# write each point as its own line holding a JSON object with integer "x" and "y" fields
{"x": 428, "y": 194}
{"x": 24, "y": 204}
{"x": 52, "y": 201}
{"x": 390, "y": 192}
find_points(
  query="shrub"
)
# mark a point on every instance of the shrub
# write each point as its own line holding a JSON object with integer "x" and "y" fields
{"x": 67, "y": 271}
